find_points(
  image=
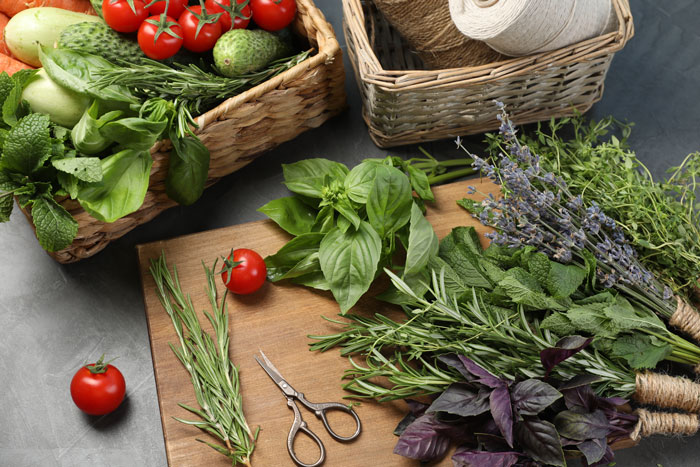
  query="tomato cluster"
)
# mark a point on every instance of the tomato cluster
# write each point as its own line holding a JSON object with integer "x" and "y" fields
{"x": 164, "y": 26}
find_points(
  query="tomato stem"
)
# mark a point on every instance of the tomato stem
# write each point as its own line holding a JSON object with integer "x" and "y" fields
{"x": 100, "y": 366}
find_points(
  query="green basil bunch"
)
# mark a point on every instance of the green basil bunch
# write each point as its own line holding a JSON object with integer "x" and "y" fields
{"x": 348, "y": 224}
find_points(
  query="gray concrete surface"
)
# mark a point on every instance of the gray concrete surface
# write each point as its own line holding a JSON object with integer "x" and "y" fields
{"x": 54, "y": 317}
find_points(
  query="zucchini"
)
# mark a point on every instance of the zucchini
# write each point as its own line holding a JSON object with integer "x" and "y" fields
{"x": 64, "y": 107}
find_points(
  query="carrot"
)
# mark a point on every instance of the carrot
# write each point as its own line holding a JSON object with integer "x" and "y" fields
{"x": 12, "y": 7}
{"x": 10, "y": 65}
{"x": 3, "y": 47}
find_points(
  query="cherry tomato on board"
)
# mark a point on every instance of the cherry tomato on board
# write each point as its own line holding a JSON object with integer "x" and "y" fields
{"x": 203, "y": 39}
{"x": 247, "y": 271}
{"x": 119, "y": 16}
{"x": 98, "y": 388}
{"x": 160, "y": 37}
{"x": 273, "y": 15}
{"x": 240, "y": 12}
{"x": 175, "y": 7}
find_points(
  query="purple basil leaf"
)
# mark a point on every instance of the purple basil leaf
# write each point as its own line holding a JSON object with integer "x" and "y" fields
{"x": 404, "y": 423}
{"x": 593, "y": 449}
{"x": 491, "y": 442}
{"x": 540, "y": 440}
{"x": 502, "y": 412}
{"x": 582, "y": 426}
{"x": 458, "y": 399}
{"x": 532, "y": 396}
{"x": 562, "y": 350}
{"x": 569, "y": 442}
{"x": 581, "y": 397}
{"x": 580, "y": 380}
{"x": 484, "y": 377}
{"x": 611, "y": 401}
{"x": 416, "y": 408}
{"x": 453, "y": 361}
{"x": 464, "y": 458}
{"x": 422, "y": 440}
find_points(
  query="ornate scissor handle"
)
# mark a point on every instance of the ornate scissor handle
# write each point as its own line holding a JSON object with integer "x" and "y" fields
{"x": 300, "y": 425}
{"x": 320, "y": 412}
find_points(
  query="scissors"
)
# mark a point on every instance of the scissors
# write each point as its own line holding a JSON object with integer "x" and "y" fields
{"x": 318, "y": 409}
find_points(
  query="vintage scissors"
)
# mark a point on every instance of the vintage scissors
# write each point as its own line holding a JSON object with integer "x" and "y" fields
{"x": 318, "y": 409}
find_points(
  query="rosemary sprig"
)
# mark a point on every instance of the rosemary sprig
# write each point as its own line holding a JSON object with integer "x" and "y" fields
{"x": 206, "y": 358}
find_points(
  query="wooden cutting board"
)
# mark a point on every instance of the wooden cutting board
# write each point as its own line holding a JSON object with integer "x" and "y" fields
{"x": 276, "y": 319}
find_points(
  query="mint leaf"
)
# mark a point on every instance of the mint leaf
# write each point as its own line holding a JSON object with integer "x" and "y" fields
{"x": 28, "y": 144}
{"x": 12, "y": 107}
{"x": 522, "y": 288}
{"x": 563, "y": 280}
{"x": 69, "y": 184}
{"x": 6, "y": 85}
{"x": 641, "y": 351}
{"x": 559, "y": 324}
{"x": 592, "y": 320}
{"x": 461, "y": 258}
{"x": 87, "y": 169}
{"x": 7, "y": 202}
{"x": 291, "y": 214}
{"x": 422, "y": 242}
{"x": 624, "y": 316}
{"x": 469, "y": 237}
{"x": 55, "y": 227}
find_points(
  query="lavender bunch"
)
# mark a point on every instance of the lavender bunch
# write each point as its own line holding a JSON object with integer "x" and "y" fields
{"x": 567, "y": 228}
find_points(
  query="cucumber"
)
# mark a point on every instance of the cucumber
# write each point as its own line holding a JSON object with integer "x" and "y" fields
{"x": 42, "y": 26}
{"x": 243, "y": 50}
{"x": 64, "y": 107}
{"x": 100, "y": 39}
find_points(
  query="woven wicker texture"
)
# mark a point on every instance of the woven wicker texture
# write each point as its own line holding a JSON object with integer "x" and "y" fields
{"x": 405, "y": 104}
{"x": 238, "y": 130}
{"x": 427, "y": 26}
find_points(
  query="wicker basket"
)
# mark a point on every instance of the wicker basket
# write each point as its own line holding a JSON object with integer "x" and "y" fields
{"x": 403, "y": 103}
{"x": 238, "y": 130}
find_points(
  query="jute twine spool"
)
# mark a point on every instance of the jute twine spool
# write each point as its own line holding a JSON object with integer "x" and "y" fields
{"x": 667, "y": 391}
{"x": 524, "y": 27}
{"x": 663, "y": 423}
{"x": 687, "y": 319}
{"x": 428, "y": 28}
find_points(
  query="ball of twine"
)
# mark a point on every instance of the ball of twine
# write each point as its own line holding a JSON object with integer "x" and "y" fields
{"x": 687, "y": 319}
{"x": 666, "y": 391}
{"x": 428, "y": 28}
{"x": 524, "y": 27}
{"x": 664, "y": 423}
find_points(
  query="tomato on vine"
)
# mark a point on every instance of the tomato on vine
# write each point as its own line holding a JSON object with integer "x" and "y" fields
{"x": 124, "y": 15}
{"x": 244, "y": 271}
{"x": 98, "y": 388}
{"x": 200, "y": 29}
{"x": 239, "y": 11}
{"x": 160, "y": 37}
{"x": 273, "y": 15}
{"x": 172, "y": 8}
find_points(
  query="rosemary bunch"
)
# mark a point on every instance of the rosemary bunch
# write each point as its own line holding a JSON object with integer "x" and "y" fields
{"x": 206, "y": 358}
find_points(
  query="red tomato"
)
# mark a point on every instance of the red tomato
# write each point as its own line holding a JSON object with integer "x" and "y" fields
{"x": 98, "y": 389}
{"x": 208, "y": 34}
{"x": 163, "y": 45}
{"x": 120, "y": 17}
{"x": 273, "y": 15}
{"x": 241, "y": 13}
{"x": 175, "y": 7}
{"x": 248, "y": 271}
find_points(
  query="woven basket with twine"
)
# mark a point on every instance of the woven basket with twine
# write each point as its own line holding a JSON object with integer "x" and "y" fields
{"x": 403, "y": 103}
{"x": 237, "y": 131}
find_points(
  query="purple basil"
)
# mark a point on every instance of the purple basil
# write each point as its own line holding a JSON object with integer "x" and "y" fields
{"x": 539, "y": 440}
{"x": 580, "y": 380}
{"x": 562, "y": 350}
{"x": 466, "y": 458}
{"x": 532, "y": 396}
{"x": 593, "y": 449}
{"x": 582, "y": 426}
{"x": 422, "y": 440}
{"x": 483, "y": 376}
{"x": 491, "y": 442}
{"x": 580, "y": 399}
{"x": 459, "y": 399}
{"x": 502, "y": 412}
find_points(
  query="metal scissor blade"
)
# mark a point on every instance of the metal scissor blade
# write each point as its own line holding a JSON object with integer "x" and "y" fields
{"x": 274, "y": 374}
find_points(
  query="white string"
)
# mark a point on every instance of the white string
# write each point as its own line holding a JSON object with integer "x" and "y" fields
{"x": 523, "y": 27}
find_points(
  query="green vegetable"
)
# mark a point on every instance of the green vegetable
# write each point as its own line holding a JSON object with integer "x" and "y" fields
{"x": 41, "y": 26}
{"x": 99, "y": 39}
{"x": 241, "y": 51}
{"x": 62, "y": 105}
{"x": 349, "y": 223}
{"x": 86, "y": 134}
{"x": 188, "y": 169}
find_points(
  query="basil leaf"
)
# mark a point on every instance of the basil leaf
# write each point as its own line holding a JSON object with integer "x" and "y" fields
{"x": 55, "y": 227}
{"x": 188, "y": 169}
{"x": 423, "y": 439}
{"x": 582, "y": 426}
{"x": 389, "y": 201}
{"x": 86, "y": 135}
{"x": 532, "y": 396}
{"x": 314, "y": 279}
{"x": 502, "y": 412}
{"x": 540, "y": 440}
{"x": 464, "y": 458}
{"x": 359, "y": 181}
{"x": 420, "y": 183}
{"x": 349, "y": 262}
{"x": 139, "y": 133}
{"x": 422, "y": 242}
{"x": 307, "y": 177}
{"x": 346, "y": 210}
{"x": 459, "y": 399}
{"x": 291, "y": 254}
{"x": 290, "y": 213}
{"x": 123, "y": 186}
{"x": 325, "y": 219}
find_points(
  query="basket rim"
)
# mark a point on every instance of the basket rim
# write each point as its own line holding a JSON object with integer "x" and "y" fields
{"x": 328, "y": 49}
{"x": 372, "y": 72}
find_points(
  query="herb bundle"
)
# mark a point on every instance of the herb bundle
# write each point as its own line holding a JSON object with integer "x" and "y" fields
{"x": 348, "y": 223}
{"x": 538, "y": 209}
{"x": 206, "y": 358}
{"x": 660, "y": 218}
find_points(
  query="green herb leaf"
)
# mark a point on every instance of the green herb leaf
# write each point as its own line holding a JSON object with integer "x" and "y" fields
{"x": 188, "y": 169}
{"x": 291, "y": 214}
{"x": 420, "y": 183}
{"x": 139, "y": 133}
{"x": 12, "y": 107}
{"x": 87, "y": 169}
{"x": 307, "y": 177}
{"x": 86, "y": 135}
{"x": 559, "y": 324}
{"x": 641, "y": 351}
{"x": 360, "y": 180}
{"x": 462, "y": 259}
{"x": 349, "y": 262}
{"x": 290, "y": 255}
{"x": 422, "y": 242}
{"x": 389, "y": 201}
{"x": 592, "y": 320}
{"x": 7, "y": 202}
{"x": 28, "y": 144}
{"x": 564, "y": 280}
{"x": 522, "y": 288}
{"x": 343, "y": 205}
{"x": 55, "y": 227}
{"x": 624, "y": 316}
